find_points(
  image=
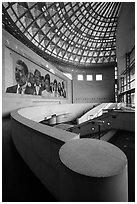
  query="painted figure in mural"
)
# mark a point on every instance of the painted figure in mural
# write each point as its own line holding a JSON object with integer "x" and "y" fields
{"x": 47, "y": 91}
{"x": 37, "y": 76}
{"x": 59, "y": 90}
{"x": 21, "y": 76}
{"x": 55, "y": 88}
{"x": 51, "y": 86}
{"x": 42, "y": 83}
{"x": 31, "y": 84}
{"x": 47, "y": 83}
{"x": 63, "y": 90}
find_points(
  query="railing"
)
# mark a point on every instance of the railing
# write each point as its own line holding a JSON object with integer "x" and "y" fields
{"x": 100, "y": 112}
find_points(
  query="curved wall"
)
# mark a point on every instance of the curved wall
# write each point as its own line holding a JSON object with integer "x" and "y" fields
{"x": 39, "y": 146}
{"x": 125, "y": 36}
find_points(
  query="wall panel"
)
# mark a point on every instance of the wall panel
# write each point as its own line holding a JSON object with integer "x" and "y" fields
{"x": 94, "y": 91}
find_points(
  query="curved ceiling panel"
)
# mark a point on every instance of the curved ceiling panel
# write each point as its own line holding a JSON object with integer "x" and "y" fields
{"x": 74, "y": 32}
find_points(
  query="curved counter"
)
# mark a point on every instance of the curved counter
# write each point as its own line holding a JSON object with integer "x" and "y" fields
{"x": 39, "y": 144}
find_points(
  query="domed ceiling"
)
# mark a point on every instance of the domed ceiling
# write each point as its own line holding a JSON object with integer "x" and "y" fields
{"x": 78, "y": 33}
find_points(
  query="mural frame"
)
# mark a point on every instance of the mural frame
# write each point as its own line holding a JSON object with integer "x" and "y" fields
{"x": 58, "y": 85}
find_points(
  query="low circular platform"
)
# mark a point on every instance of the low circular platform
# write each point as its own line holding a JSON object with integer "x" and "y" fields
{"x": 92, "y": 157}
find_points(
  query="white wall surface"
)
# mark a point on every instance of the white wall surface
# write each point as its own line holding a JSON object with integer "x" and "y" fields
{"x": 94, "y": 91}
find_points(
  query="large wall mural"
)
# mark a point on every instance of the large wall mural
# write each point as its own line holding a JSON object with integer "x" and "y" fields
{"x": 28, "y": 77}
